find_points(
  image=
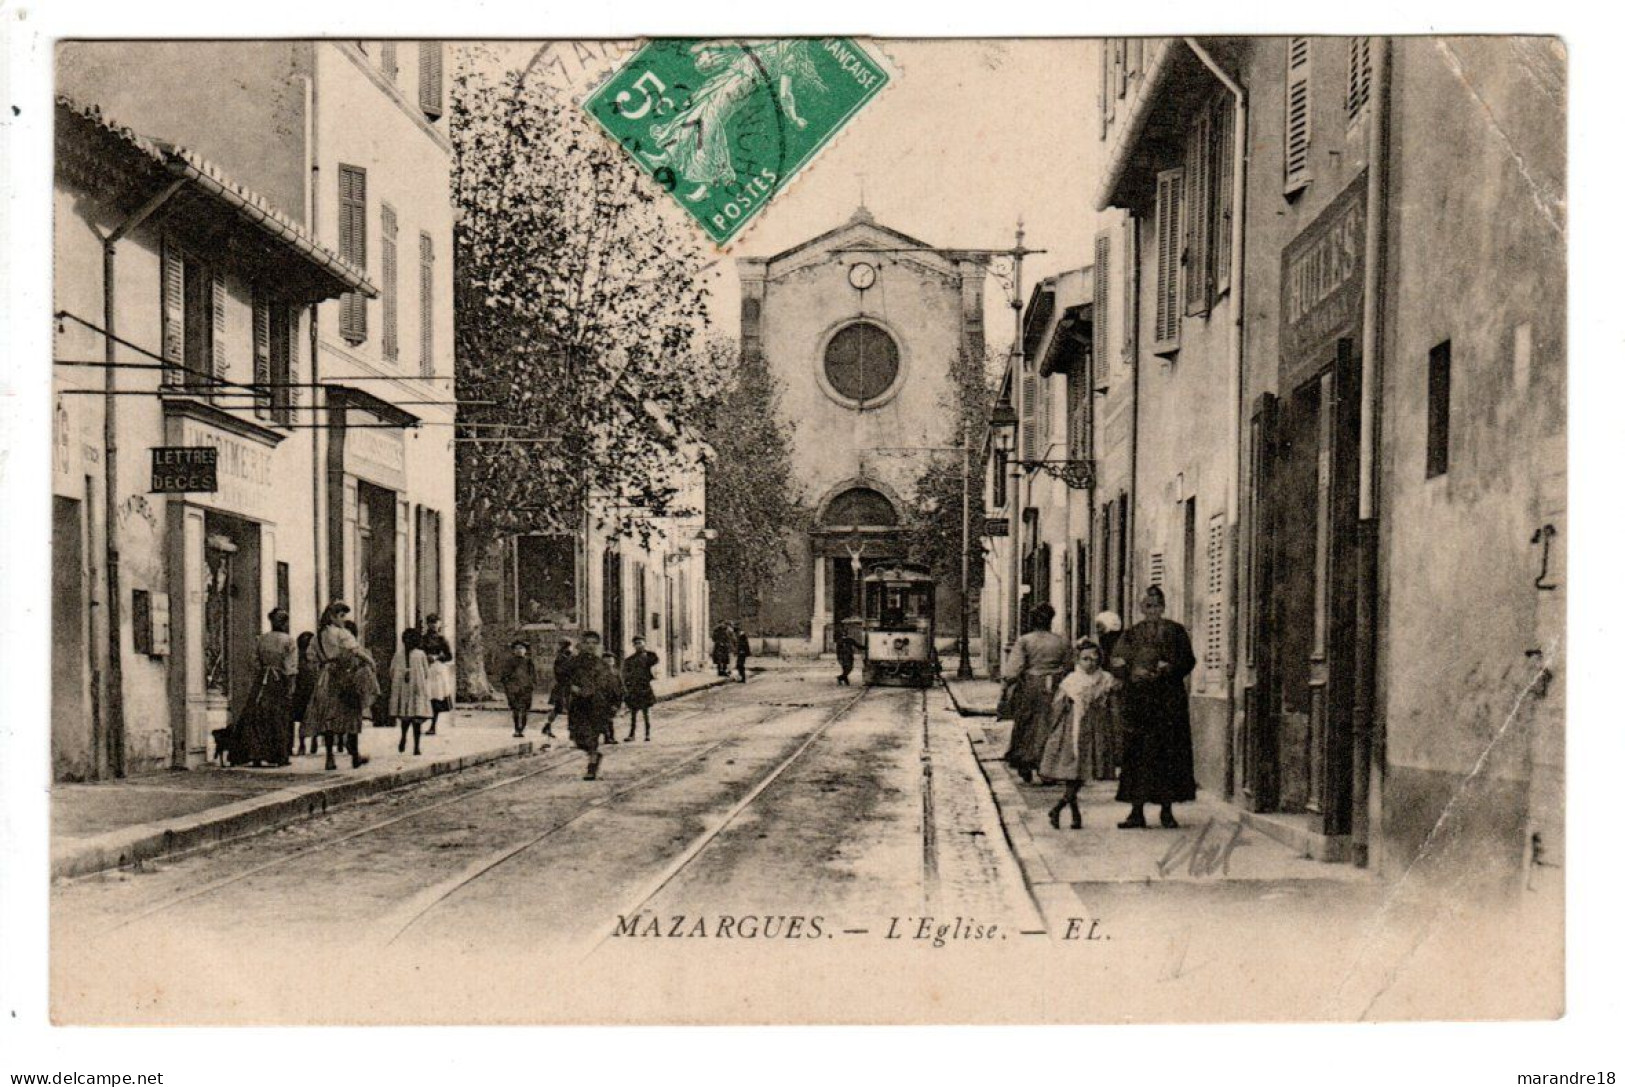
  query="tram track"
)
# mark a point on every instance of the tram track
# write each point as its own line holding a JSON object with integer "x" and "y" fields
{"x": 551, "y": 763}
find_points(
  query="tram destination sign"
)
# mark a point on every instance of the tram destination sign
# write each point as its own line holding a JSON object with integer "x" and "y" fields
{"x": 183, "y": 469}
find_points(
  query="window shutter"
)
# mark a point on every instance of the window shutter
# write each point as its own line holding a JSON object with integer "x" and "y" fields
{"x": 1102, "y": 296}
{"x": 219, "y": 365}
{"x": 391, "y": 276}
{"x": 1122, "y": 67}
{"x": 1110, "y": 62}
{"x": 1077, "y": 404}
{"x": 1213, "y": 620}
{"x": 264, "y": 394}
{"x": 426, "y": 305}
{"x": 430, "y": 93}
{"x": 1158, "y": 568}
{"x": 173, "y": 301}
{"x": 1224, "y": 170}
{"x": 1029, "y": 440}
{"x": 353, "y": 247}
{"x": 388, "y": 60}
{"x": 1105, "y": 77}
{"x": 1359, "y": 89}
{"x": 1170, "y": 192}
{"x": 1198, "y": 212}
{"x": 1298, "y": 113}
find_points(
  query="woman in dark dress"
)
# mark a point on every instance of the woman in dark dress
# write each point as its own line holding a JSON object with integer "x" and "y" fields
{"x": 261, "y": 734}
{"x": 1037, "y": 662}
{"x": 442, "y": 678}
{"x": 638, "y": 677}
{"x": 1158, "y": 768}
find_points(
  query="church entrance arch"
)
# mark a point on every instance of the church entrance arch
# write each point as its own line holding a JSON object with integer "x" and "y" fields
{"x": 857, "y": 525}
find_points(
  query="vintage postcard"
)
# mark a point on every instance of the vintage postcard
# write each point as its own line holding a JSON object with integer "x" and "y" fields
{"x": 808, "y": 530}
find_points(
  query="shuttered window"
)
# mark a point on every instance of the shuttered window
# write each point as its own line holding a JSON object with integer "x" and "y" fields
{"x": 173, "y": 302}
{"x": 1102, "y": 296}
{"x": 1359, "y": 89}
{"x": 353, "y": 248}
{"x": 262, "y": 355}
{"x": 1224, "y": 185}
{"x": 1199, "y": 213}
{"x": 431, "y": 93}
{"x": 1044, "y": 414}
{"x": 388, "y": 61}
{"x": 1213, "y": 619}
{"x": 1105, "y": 83}
{"x": 1299, "y": 108}
{"x": 1166, "y": 318}
{"x": 284, "y": 330}
{"x": 219, "y": 360}
{"x": 1077, "y": 407}
{"x": 426, "y": 305}
{"x": 390, "y": 286}
{"x": 1029, "y": 440}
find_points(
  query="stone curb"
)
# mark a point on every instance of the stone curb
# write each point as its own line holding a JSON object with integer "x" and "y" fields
{"x": 963, "y": 709}
{"x": 216, "y": 826}
{"x": 268, "y": 811}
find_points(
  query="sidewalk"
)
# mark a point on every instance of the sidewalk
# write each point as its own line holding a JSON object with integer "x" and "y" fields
{"x": 972, "y": 697}
{"x": 112, "y": 824}
{"x": 1213, "y": 845}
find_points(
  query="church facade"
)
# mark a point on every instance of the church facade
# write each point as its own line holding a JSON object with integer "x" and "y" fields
{"x": 862, "y": 326}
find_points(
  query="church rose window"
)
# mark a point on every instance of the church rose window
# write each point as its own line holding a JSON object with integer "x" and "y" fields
{"x": 861, "y": 362}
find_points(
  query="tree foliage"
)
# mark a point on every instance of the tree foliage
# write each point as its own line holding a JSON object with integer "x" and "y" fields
{"x": 579, "y": 314}
{"x": 936, "y": 507}
{"x": 752, "y": 499}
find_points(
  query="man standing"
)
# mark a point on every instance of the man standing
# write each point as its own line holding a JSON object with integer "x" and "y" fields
{"x": 518, "y": 682}
{"x": 741, "y": 650}
{"x": 595, "y": 694}
{"x": 845, "y": 655}
{"x": 1154, "y": 657}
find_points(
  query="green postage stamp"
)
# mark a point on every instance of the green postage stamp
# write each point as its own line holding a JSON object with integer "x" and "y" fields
{"x": 722, "y": 124}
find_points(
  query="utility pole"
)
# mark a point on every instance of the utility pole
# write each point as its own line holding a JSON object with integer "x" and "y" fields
{"x": 1018, "y": 373}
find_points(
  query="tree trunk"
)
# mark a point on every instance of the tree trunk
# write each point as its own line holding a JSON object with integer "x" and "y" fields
{"x": 472, "y": 683}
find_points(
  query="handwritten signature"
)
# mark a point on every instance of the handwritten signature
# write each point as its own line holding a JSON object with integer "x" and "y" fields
{"x": 1204, "y": 853}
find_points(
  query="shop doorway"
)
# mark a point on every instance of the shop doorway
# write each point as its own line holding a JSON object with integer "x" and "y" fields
{"x": 1299, "y": 746}
{"x": 375, "y": 617}
{"x": 231, "y": 609}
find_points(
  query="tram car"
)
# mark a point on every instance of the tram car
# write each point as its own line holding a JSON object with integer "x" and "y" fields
{"x": 899, "y": 626}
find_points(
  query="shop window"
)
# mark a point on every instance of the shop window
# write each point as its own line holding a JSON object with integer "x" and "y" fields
{"x": 1438, "y": 450}
{"x": 545, "y": 581}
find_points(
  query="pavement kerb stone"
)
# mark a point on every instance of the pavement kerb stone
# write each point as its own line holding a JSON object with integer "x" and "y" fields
{"x": 961, "y": 708}
{"x": 253, "y": 815}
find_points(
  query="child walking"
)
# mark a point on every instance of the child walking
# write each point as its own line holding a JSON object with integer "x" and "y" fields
{"x": 409, "y": 701}
{"x": 1069, "y": 753}
{"x": 518, "y": 682}
{"x": 638, "y": 678}
{"x": 560, "y": 698}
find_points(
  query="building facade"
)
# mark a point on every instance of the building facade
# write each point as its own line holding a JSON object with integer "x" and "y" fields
{"x": 1328, "y": 419}
{"x": 1346, "y": 257}
{"x": 336, "y": 482}
{"x": 863, "y": 326}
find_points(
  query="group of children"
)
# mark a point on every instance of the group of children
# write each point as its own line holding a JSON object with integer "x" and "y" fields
{"x": 518, "y": 681}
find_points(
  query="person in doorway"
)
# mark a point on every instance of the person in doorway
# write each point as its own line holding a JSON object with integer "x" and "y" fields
{"x": 1069, "y": 757}
{"x": 409, "y": 702}
{"x": 347, "y": 682}
{"x": 846, "y": 650}
{"x": 559, "y": 698}
{"x": 722, "y": 648}
{"x": 741, "y": 650}
{"x": 442, "y": 677}
{"x": 260, "y": 737}
{"x": 518, "y": 683}
{"x": 638, "y": 676}
{"x": 303, "y": 687}
{"x": 1037, "y": 662}
{"x": 1158, "y": 767}
{"x": 595, "y": 694}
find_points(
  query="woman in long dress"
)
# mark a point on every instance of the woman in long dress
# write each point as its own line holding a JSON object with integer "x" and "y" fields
{"x": 261, "y": 733}
{"x": 1158, "y": 767}
{"x": 1037, "y": 661}
{"x": 409, "y": 689}
{"x": 347, "y": 682}
{"x": 1071, "y": 753}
